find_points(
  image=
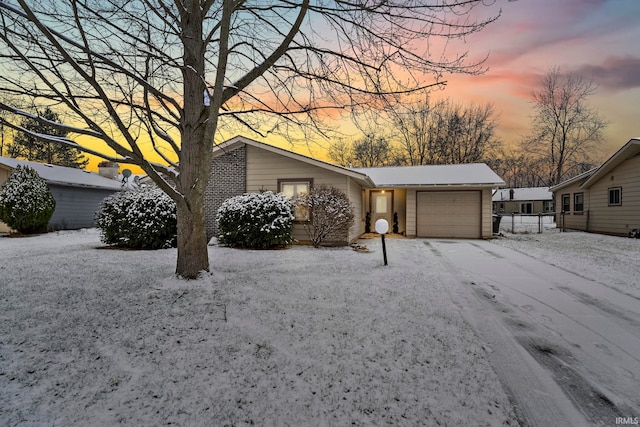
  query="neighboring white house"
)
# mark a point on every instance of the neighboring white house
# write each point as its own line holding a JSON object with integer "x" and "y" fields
{"x": 531, "y": 200}
{"x": 77, "y": 192}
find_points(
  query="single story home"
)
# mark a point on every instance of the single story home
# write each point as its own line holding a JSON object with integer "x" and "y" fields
{"x": 606, "y": 199}
{"x": 445, "y": 201}
{"x": 532, "y": 200}
{"x": 77, "y": 192}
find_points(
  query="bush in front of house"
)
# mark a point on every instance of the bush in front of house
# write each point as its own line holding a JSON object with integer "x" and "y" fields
{"x": 138, "y": 219}
{"x": 26, "y": 203}
{"x": 331, "y": 214}
{"x": 256, "y": 220}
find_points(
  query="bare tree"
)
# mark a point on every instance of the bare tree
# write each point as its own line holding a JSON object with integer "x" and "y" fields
{"x": 518, "y": 169}
{"x": 171, "y": 75}
{"x": 371, "y": 151}
{"x": 341, "y": 152}
{"x": 565, "y": 129}
{"x": 445, "y": 132}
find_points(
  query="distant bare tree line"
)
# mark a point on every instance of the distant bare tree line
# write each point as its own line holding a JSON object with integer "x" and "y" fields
{"x": 563, "y": 141}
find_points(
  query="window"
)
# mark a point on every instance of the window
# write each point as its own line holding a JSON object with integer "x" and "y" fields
{"x": 548, "y": 206}
{"x": 501, "y": 209}
{"x": 615, "y": 196}
{"x": 380, "y": 206}
{"x": 295, "y": 187}
{"x": 578, "y": 202}
{"x": 526, "y": 207}
{"x": 566, "y": 200}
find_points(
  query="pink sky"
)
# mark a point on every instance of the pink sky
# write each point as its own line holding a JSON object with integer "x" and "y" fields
{"x": 598, "y": 38}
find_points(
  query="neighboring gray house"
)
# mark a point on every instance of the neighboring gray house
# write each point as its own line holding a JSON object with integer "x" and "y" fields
{"x": 531, "y": 200}
{"x": 77, "y": 192}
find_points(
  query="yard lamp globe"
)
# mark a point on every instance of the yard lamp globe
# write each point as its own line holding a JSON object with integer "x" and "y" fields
{"x": 382, "y": 226}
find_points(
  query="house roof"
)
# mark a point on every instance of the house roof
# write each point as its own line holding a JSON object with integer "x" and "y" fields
{"x": 470, "y": 174}
{"x": 627, "y": 151}
{"x": 520, "y": 194}
{"x": 240, "y": 140}
{"x": 583, "y": 176}
{"x": 60, "y": 175}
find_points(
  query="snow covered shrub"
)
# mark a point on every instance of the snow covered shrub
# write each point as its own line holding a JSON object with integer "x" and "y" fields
{"x": 141, "y": 219}
{"x": 261, "y": 220}
{"x": 26, "y": 203}
{"x": 331, "y": 214}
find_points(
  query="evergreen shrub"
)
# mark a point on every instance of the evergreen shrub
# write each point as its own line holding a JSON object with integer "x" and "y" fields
{"x": 260, "y": 220}
{"x": 26, "y": 203}
{"x": 138, "y": 219}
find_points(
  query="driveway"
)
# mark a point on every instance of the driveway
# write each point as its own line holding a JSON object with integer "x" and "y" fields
{"x": 566, "y": 348}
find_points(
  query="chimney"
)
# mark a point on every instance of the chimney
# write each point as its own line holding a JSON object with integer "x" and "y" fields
{"x": 108, "y": 169}
{"x": 511, "y": 192}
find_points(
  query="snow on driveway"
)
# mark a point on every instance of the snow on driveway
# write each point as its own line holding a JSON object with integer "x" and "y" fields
{"x": 566, "y": 345}
{"x": 98, "y": 337}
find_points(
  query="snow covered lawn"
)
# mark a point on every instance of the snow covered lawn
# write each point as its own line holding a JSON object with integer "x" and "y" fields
{"x": 610, "y": 260}
{"x": 300, "y": 336}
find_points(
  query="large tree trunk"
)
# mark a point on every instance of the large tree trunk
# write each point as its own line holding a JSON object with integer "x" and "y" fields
{"x": 193, "y": 257}
{"x": 195, "y": 153}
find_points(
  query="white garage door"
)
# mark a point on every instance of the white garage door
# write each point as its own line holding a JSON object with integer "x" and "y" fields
{"x": 451, "y": 214}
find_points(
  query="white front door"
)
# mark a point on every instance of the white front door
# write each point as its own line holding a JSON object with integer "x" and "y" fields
{"x": 381, "y": 207}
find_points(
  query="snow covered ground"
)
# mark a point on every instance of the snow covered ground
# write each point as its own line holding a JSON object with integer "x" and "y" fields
{"x": 609, "y": 260}
{"x": 301, "y": 336}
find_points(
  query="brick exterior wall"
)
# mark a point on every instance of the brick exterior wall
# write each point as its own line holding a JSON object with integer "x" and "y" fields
{"x": 228, "y": 178}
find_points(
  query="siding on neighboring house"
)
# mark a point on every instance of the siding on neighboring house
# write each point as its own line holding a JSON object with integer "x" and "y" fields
{"x": 617, "y": 219}
{"x": 75, "y": 207}
{"x": 620, "y": 175}
{"x": 572, "y": 220}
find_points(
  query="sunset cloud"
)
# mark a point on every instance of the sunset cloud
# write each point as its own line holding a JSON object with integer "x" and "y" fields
{"x": 616, "y": 73}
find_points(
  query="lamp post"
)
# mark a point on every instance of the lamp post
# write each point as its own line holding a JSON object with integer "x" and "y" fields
{"x": 382, "y": 227}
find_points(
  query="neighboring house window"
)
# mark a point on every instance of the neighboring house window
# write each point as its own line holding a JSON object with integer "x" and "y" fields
{"x": 566, "y": 200}
{"x": 502, "y": 207}
{"x": 526, "y": 207}
{"x": 578, "y": 202}
{"x": 548, "y": 206}
{"x": 293, "y": 188}
{"x": 615, "y": 196}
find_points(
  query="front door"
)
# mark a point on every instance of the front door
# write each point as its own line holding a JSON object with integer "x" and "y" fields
{"x": 381, "y": 207}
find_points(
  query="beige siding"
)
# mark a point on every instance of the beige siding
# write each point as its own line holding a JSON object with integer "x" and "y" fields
{"x": 265, "y": 168}
{"x": 572, "y": 220}
{"x": 616, "y": 219}
{"x": 355, "y": 195}
{"x": 411, "y": 213}
{"x": 487, "y": 214}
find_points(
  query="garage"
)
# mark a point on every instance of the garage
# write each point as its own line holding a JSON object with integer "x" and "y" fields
{"x": 449, "y": 214}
